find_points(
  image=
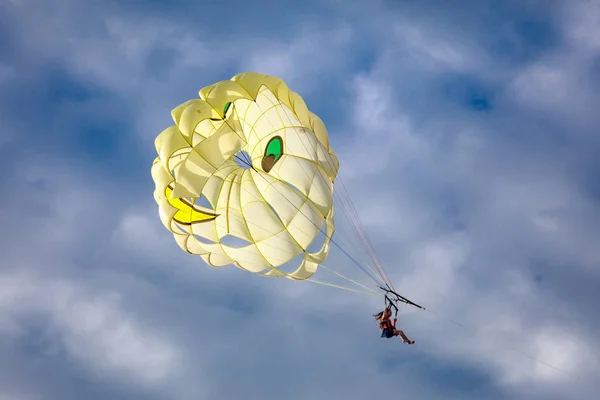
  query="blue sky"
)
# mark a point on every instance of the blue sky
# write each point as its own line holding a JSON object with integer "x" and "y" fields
{"x": 468, "y": 137}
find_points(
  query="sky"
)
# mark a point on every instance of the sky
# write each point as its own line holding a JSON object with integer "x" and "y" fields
{"x": 468, "y": 138}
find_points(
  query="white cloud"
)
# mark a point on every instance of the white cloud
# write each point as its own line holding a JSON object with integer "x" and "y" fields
{"x": 141, "y": 232}
{"x": 432, "y": 268}
{"x": 101, "y": 334}
{"x": 557, "y": 349}
{"x": 6, "y": 73}
{"x": 380, "y": 138}
{"x": 313, "y": 52}
{"x": 16, "y": 395}
{"x": 92, "y": 327}
{"x": 557, "y": 84}
{"x": 581, "y": 22}
{"x": 513, "y": 205}
{"x": 431, "y": 50}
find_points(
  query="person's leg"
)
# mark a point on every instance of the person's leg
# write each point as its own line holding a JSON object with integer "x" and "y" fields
{"x": 404, "y": 338}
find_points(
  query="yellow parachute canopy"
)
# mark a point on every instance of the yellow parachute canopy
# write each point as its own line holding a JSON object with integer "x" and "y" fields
{"x": 249, "y": 161}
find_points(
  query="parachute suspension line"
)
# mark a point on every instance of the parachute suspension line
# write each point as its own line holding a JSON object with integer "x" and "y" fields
{"x": 350, "y": 243}
{"x": 342, "y": 237}
{"x": 364, "y": 234}
{"x": 355, "y": 227}
{"x": 327, "y": 268}
{"x": 343, "y": 287}
{"x": 245, "y": 162}
{"x": 320, "y": 229}
{"x": 329, "y": 161}
{"x": 247, "y": 158}
{"x": 338, "y": 232}
{"x": 354, "y": 220}
{"x": 249, "y": 165}
{"x": 357, "y": 234}
{"x": 345, "y": 211}
{"x": 370, "y": 292}
{"x": 346, "y": 278}
{"x": 348, "y": 209}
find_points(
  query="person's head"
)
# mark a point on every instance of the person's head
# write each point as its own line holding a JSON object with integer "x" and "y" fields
{"x": 387, "y": 312}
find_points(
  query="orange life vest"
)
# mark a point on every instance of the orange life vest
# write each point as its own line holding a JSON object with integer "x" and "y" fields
{"x": 385, "y": 324}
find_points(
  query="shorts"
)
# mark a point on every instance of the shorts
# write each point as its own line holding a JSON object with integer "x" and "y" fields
{"x": 387, "y": 333}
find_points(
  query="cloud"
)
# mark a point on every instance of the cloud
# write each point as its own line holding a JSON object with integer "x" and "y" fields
{"x": 92, "y": 329}
{"x": 512, "y": 197}
{"x": 581, "y": 25}
{"x": 467, "y": 140}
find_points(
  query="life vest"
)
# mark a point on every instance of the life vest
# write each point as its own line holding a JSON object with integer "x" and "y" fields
{"x": 385, "y": 324}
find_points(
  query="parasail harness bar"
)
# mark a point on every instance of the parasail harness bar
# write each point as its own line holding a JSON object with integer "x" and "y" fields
{"x": 392, "y": 297}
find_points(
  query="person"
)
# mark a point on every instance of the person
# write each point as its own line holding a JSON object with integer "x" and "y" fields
{"x": 388, "y": 329}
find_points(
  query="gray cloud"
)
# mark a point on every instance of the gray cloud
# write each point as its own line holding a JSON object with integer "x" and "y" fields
{"x": 467, "y": 139}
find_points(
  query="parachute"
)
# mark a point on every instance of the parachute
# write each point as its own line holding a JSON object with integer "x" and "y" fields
{"x": 246, "y": 177}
